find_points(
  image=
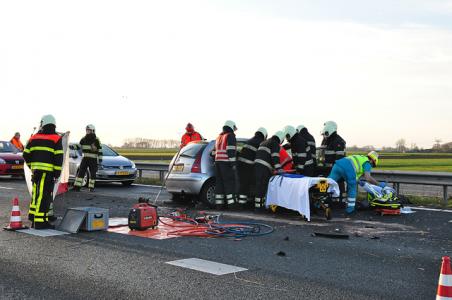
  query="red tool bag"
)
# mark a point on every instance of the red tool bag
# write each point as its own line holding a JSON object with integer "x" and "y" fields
{"x": 143, "y": 216}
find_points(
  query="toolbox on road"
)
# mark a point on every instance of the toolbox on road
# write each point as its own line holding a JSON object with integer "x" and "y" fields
{"x": 96, "y": 218}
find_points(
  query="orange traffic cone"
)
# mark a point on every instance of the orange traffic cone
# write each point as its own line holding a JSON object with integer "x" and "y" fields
{"x": 445, "y": 281}
{"x": 15, "y": 221}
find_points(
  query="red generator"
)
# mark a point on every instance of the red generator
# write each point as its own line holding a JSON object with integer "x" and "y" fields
{"x": 143, "y": 216}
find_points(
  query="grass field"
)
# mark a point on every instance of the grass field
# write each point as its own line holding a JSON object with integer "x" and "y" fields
{"x": 433, "y": 162}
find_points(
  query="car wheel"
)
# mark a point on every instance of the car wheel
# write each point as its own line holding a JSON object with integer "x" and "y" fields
{"x": 207, "y": 195}
{"x": 127, "y": 183}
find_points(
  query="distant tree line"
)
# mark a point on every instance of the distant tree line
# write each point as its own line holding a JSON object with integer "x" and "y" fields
{"x": 402, "y": 147}
{"x": 143, "y": 143}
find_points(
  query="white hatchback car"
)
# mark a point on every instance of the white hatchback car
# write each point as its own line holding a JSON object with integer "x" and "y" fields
{"x": 114, "y": 167}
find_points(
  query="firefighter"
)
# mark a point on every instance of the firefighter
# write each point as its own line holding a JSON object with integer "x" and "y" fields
{"x": 266, "y": 164}
{"x": 44, "y": 156}
{"x": 16, "y": 142}
{"x": 311, "y": 161}
{"x": 92, "y": 156}
{"x": 333, "y": 146}
{"x": 351, "y": 169}
{"x": 245, "y": 166}
{"x": 190, "y": 135}
{"x": 332, "y": 149}
{"x": 225, "y": 166}
{"x": 298, "y": 146}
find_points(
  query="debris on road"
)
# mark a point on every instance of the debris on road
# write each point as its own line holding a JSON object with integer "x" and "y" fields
{"x": 281, "y": 253}
{"x": 331, "y": 235}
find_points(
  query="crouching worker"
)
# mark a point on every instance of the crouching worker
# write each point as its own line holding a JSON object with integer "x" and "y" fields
{"x": 351, "y": 169}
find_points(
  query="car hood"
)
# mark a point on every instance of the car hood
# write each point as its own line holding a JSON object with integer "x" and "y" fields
{"x": 11, "y": 156}
{"x": 116, "y": 161}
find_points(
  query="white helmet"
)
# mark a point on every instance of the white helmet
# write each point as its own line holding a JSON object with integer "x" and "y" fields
{"x": 329, "y": 128}
{"x": 90, "y": 127}
{"x": 289, "y": 132}
{"x": 280, "y": 136}
{"x": 300, "y": 128}
{"x": 47, "y": 119}
{"x": 263, "y": 131}
{"x": 230, "y": 124}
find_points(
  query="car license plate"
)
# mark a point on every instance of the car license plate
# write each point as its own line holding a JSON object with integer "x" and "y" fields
{"x": 122, "y": 173}
{"x": 178, "y": 168}
{"x": 16, "y": 167}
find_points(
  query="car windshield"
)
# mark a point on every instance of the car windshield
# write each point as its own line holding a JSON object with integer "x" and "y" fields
{"x": 7, "y": 147}
{"x": 192, "y": 149}
{"x": 107, "y": 151}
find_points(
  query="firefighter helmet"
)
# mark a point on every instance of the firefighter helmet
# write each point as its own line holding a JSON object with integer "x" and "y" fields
{"x": 329, "y": 128}
{"x": 373, "y": 156}
{"x": 91, "y": 127}
{"x": 263, "y": 131}
{"x": 230, "y": 124}
{"x": 289, "y": 132}
{"x": 47, "y": 119}
{"x": 300, "y": 128}
{"x": 280, "y": 136}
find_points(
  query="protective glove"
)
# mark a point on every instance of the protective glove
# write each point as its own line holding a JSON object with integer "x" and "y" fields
{"x": 382, "y": 184}
{"x": 362, "y": 182}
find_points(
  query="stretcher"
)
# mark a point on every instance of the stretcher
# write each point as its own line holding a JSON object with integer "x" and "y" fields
{"x": 300, "y": 193}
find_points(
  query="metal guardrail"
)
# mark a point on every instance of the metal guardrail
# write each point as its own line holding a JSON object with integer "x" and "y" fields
{"x": 443, "y": 179}
{"x": 162, "y": 168}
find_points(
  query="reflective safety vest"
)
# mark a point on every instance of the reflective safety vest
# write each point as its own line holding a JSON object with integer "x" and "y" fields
{"x": 358, "y": 162}
{"x": 91, "y": 149}
{"x": 17, "y": 143}
{"x": 222, "y": 147}
{"x": 44, "y": 152}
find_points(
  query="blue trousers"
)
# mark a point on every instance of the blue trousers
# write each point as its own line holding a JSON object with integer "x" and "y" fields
{"x": 347, "y": 173}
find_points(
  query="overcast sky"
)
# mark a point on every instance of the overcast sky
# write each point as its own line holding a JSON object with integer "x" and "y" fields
{"x": 381, "y": 69}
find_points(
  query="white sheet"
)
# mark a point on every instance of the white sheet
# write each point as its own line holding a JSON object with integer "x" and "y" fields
{"x": 293, "y": 193}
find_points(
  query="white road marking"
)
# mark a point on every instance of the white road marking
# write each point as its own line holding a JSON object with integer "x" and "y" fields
{"x": 431, "y": 209}
{"x": 43, "y": 232}
{"x": 206, "y": 266}
{"x": 6, "y": 188}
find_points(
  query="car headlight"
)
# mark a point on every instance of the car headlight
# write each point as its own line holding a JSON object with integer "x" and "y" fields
{"x": 2, "y": 161}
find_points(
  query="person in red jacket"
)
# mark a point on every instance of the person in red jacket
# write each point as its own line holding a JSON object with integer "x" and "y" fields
{"x": 190, "y": 135}
{"x": 285, "y": 160}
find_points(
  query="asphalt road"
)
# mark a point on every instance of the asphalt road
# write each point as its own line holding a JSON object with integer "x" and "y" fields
{"x": 384, "y": 258}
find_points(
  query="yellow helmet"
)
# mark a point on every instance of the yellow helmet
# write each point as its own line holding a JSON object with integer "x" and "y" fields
{"x": 373, "y": 156}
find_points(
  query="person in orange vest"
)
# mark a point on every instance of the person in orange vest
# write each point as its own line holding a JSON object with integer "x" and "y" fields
{"x": 285, "y": 160}
{"x": 190, "y": 135}
{"x": 16, "y": 142}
